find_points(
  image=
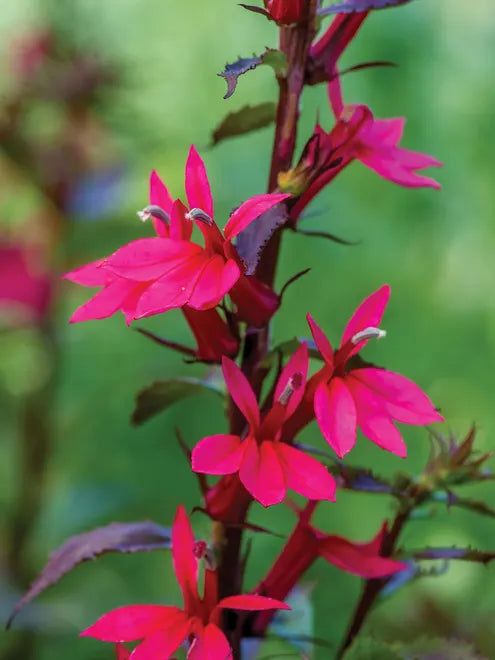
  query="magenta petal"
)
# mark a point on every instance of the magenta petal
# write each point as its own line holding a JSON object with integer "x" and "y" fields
{"x": 368, "y": 314}
{"x": 197, "y": 185}
{"x": 385, "y": 132}
{"x": 249, "y": 211}
{"x": 261, "y": 473}
{"x": 215, "y": 281}
{"x": 106, "y": 302}
{"x": 354, "y": 559}
{"x": 218, "y": 454}
{"x": 374, "y": 421}
{"x": 162, "y": 643}
{"x": 255, "y": 301}
{"x": 127, "y": 624}
{"x": 180, "y": 227}
{"x": 90, "y": 274}
{"x": 159, "y": 196}
{"x": 336, "y": 414}
{"x": 121, "y": 652}
{"x": 241, "y": 392}
{"x": 403, "y": 399}
{"x": 252, "y": 602}
{"x": 305, "y": 475}
{"x": 210, "y": 644}
{"x": 394, "y": 171}
{"x": 149, "y": 258}
{"x": 321, "y": 341}
{"x": 296, "y": 370}
{"x": 185, "y": 563}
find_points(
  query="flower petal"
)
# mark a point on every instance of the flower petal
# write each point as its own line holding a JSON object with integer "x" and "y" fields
{"x": 336, "y": 414}
{"x": 255, "y": 301}
{"x": 261, "y": 473}
{"x": 403, "y": 399}
{"x": 305, "y": 475}
{"x": 393, "y": 170}
{"x": 321, "y": 341}
{"x": 218, "y": 454}
{"x": 352, "y": 558}
{"x": 210, "y": 644}
{"x": 180, "y": 227}
{"x": 249, "y": 211}
{"x": 252, "y": 602}
{"x": 106, "y": 302}
{"x": 127, "y": 624}
{"x": 185, "y": 563}
{"x": 92, "y": 274}
{"x": 241, "y": 392}
{"x": 159, "y": 196}
{"x": 215, "y": 281}
{"x": 368, "y": 314}
{"x": 373, "y": 419}
{"x": 197, "y": 185}
{"x": 296, "y": 370}
{"x": 162, "y": 643}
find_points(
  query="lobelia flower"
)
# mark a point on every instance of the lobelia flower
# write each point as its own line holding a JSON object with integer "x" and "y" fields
{"x": 163, "y": 628}
{"x": 306, "y": 544}
{"x": 346, "y": 396}
{"x": 153, "y": 275}
{"x": 267, "y": 467}
{"x": 285, "y": 12}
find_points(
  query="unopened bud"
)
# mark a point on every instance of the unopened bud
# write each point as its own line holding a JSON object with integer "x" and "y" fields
{"x": 155, "y": 211}
{"x": 368, "y": 333}
{"x": 294, "y": 384}
{"x": 199, "y": 214}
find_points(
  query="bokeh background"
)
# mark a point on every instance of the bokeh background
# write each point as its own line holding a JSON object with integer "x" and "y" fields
{"x": 128, "y": 87}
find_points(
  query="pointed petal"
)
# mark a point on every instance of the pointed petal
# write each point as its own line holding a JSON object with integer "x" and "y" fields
{"x": 218, "y": 454}
{"x": 403, "y": 399}
{"x": 386, "y": 132}
{"x": 197, "y": 185}
{"x": 185, "y": 563}
{"x": 241, "y": 392}
{"x": 321, "y": 341}
{"x": 180, "y": 226}
{"x": 394, "y": 171}
{"x": 305, "y": 475}
{"x": 126, "y": 624}
{"x": 121, "y": 653}
{"x": 249, "y": 211}
{"x": 213, "y": 335}
{"x": 261, "y": 473}
{"x": 296, "y": 370}
{"x": 350, "y": 557}
{"x": 90, "y": 274}
{"x": 211, "y": 644}
{"x": 215, "y": 281}
{"x": 251, "y": 603}
{"x": 159, "y": 196}
{"x": 255, "y": 301}
{"x": 336, "y": 414}
{"x": 374, "y": 421}
{"x": 162, "y": 643}
{"x": 106, "y": 302}
{"x": 149, "y": 258}
{"x": 368, "y": 314}
{"x": 173, "y": 289}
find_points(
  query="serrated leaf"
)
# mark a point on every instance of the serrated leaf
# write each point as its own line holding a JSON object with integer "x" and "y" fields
{"x": 368, "y": 648}
{"x": 251, "y": 241}
{"x": 247, "y": 119}
{"x": 463, "y": 554}
{"x": 274, "y": 58}
{"x": 352, "y": 6}
{"x": 162, "y": 394}
{"x": 115, "y": 537}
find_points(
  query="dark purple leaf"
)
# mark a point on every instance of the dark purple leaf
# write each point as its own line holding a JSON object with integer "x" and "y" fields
{"x": 115, "y": 537}
{"x": 247, "y": 119}
{"x": 352, "y": 6}
{"x": 161, "y": 394}
{"x": 366, "y": 65}
{"x": 252, "y": 240}
{"x": 327, "y": 235}
{"x": 464, "y": 554}
{"x": 271, "y": 56}
{"x": 257, "y": 10}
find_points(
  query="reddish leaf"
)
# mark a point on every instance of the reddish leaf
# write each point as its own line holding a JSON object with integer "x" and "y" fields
{"x": 115, "y": 537}
{"x": 251, "y": 241}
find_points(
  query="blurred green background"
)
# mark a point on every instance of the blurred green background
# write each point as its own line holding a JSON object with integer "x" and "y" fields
{"x": 435, "y": 249}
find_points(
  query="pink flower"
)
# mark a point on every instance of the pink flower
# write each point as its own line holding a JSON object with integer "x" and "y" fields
{"x": 286, "y": 12}
{"x": 162, "y": 628}
{"x": 346, "y": 395}
{"x": 266, "y": 466}
{"x": 306, "y": 544}
{"x": 153, "y": 275}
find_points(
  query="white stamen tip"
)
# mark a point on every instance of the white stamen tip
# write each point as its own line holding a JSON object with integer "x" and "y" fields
{"x": 143, "y": 215}
{"x": 368, "y": 333}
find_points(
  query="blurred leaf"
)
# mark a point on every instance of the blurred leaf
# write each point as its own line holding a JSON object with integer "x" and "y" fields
{"x": 465, "y": 554}
{"x": 288, "y": 348}
{"x": 274, "y": 58}
{"x": 252, "y": 240}
{"x": 351, "y": 6}
{"x": 367, "y": 648}
{"x": 162, "y": 394}
{"x": 115, "y": 537}
{"x": 247, "y": 119}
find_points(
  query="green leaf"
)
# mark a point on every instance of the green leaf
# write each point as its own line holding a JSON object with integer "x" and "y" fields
{"x": 162, "y": 394}
{"x": 247, "y": 119}
{"x": 274, "y": 58}
{"x": 367, "y": 648}
{"x": 437, "y": 649}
